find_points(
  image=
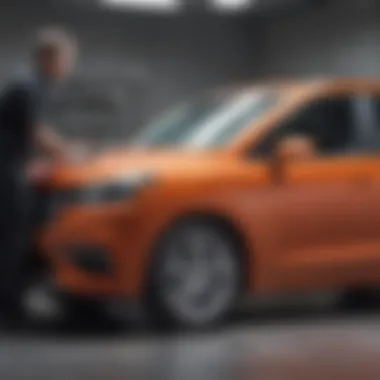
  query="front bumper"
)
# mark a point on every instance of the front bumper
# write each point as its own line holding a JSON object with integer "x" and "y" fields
{"x": 98, "y": 252}
{"x": 90, "y": 259}
{"x": 45, "y": 300}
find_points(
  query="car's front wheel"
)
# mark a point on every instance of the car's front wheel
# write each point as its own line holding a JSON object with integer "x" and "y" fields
{"x": 196, "y": 275}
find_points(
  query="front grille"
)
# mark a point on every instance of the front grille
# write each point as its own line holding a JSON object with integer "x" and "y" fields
{"x": 90, "y": 259}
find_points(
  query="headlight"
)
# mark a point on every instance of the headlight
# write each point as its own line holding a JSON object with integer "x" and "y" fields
{"x": 107, "y": 193}
{"x": 117, "y": 190}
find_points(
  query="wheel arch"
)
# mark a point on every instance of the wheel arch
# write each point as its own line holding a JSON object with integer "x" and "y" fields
{"x": 231, "y": 227}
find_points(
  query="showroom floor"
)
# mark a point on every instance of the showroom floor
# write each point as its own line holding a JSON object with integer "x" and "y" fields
{"x": 293, "y": 344}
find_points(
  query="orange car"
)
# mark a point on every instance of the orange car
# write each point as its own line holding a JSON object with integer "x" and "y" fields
{"x": 262, "y": 190}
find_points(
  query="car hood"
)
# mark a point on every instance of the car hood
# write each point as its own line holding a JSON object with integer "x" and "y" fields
{"x": 123, "y": 162}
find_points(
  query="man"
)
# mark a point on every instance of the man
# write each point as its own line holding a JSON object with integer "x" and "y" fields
{"x": 23, "y": 105}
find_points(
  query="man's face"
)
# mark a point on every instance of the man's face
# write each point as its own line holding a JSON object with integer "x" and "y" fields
{"x": 60, "y": 64}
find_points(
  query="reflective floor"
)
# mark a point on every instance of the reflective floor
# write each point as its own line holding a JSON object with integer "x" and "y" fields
{"x": 290, "y": 344}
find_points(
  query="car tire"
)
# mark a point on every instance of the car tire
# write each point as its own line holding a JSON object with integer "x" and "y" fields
{"x": 196, "y": 276}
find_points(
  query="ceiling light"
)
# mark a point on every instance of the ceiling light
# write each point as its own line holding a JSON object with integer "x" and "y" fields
{"x": 231, "y": 5}
{"x": 145, "y": 5}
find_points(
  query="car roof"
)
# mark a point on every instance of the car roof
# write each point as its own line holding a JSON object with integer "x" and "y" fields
{"x": 316, "y": 84}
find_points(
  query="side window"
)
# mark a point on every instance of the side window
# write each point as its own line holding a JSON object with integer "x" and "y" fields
{"x": 376, "y": 137}
{"x": 331, "y": 123}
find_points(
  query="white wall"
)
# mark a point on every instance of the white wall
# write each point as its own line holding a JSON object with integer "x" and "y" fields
{"x": 342, "y": 41}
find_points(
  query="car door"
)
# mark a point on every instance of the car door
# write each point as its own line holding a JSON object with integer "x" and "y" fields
{"x": 372, "y": 193}
{"x": 322, "y": 214}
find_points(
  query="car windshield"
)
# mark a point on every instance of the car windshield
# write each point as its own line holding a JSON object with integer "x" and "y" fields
{"x": 210, "y": 122}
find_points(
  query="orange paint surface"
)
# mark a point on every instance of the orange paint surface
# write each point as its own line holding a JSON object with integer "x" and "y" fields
{"x": 315, "y": 226}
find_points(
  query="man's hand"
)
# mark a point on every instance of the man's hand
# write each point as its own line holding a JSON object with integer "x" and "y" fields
{"x": 51, "y": 143}
{"x": 60, "y": 150}
{"x": 77, "y": 153}
{"x": 39, "y": 171}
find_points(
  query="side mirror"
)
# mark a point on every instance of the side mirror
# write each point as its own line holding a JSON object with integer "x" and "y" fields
{"x": 295, "y": 148}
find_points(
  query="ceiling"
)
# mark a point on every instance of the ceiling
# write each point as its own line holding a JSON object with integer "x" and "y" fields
{"x": 232, "y": 6}
{"x": 208, "y": 6}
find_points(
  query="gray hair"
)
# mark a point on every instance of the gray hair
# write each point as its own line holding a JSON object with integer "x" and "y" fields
{"x": 53, "y": 40}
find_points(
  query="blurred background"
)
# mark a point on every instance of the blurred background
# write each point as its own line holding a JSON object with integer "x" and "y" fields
{"x": 137, "y": 58}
